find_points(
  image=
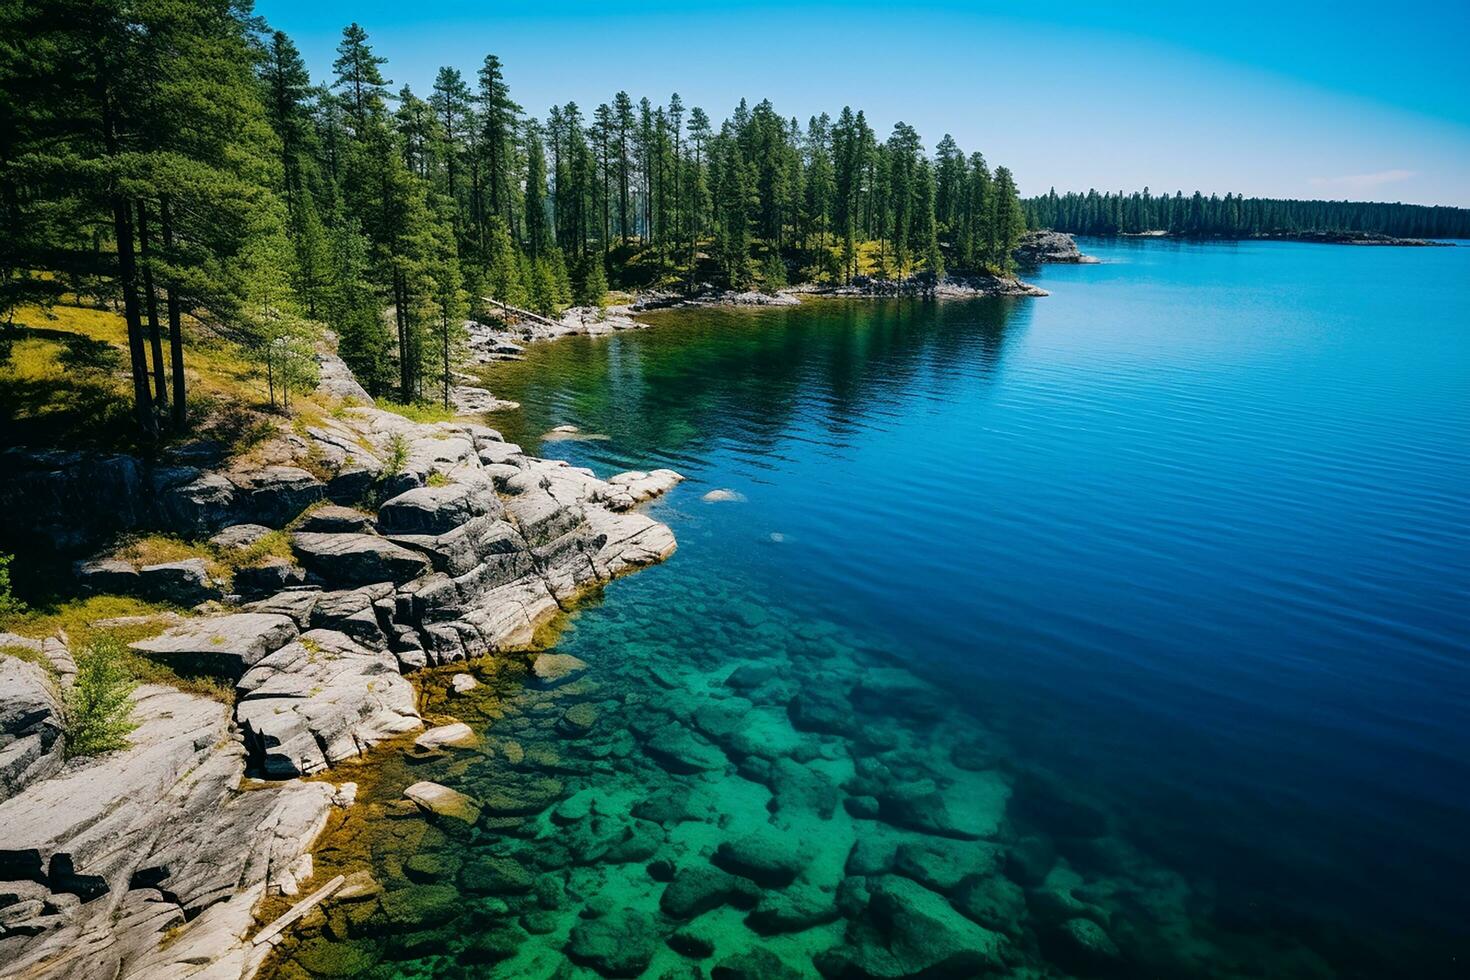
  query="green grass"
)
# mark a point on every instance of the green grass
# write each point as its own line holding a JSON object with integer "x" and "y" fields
{"x": 65, "y": 383}
{"x": 418, "y": 411}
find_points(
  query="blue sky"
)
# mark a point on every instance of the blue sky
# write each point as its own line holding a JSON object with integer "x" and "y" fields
{"x": 1346, "y": 100}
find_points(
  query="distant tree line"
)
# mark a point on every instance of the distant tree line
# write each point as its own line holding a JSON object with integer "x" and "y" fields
{"x": 1234, "y": 216}
{"x": 177, "y": 155}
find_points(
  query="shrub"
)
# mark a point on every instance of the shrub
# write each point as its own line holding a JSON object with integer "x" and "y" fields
{"x": 773, "y": 273}
{"x": 397, "y": 455}
{"x": 9, "y": 604}
{"x": 99, "y": 703}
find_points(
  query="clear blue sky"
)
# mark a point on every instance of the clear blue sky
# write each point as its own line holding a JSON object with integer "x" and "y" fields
{"x": 1340, "y": 100}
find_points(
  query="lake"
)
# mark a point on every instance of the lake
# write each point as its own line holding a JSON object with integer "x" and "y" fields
{"x": 1118, "y": 632}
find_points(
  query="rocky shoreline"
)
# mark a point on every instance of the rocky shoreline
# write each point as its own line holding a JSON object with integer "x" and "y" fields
{"x": 153, "y": 861}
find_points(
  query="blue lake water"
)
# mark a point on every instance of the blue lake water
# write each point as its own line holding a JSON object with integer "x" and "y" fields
{"x": 1184, "y": 547}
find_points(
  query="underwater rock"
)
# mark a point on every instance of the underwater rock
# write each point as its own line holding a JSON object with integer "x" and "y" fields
{"x": 907, "y": 931}
{"x": 754, "y": 964}
{"x": 996, "y": 902}
{"x": 523, "y": 797}
{"x": 577, "y": 720}
{"x": 463, "y": 683}
{"x": 749, "y": 676}
{"x": 825, "y": 712}
{"x": 1083, "y": 946}
{"x": 971, "y": 807}
{"x": 696, "y": 890}
{"x": 619, "y": 944}
{"x": 1030, "y": 860}
{"x": 693, "y": 941}
{"x": 443, "y": 801}
{"x": 792, "y": 910}
{"x": 722, "y": 496}
{"x": 676, "y": 749}
{"x": 419, "y": 906}
{"x": 456, "y": 736}
{"x": 428, "y": 866}
{"x": 767, "y": 856}
{"x": 486, "y": 875}
{"x": 555, "y": 669}
{"x": 942, "y": 864}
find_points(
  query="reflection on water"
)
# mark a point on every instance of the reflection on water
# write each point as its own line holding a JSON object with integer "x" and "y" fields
{"x": 1119, "y": 633}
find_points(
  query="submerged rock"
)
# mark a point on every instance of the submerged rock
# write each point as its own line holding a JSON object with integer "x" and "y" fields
{"x": 769, "y": 857}
{"x": 619, "y": 944}
{"x": 555, "y": 669}
{"x": 905, "y": 930}
{"x": 696, "y": 890}
{"x": 443, "y": 801}
{"x": 456, "y": 736}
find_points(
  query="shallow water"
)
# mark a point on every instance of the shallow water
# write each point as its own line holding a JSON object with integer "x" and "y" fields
{"x": 1140, "y": 606}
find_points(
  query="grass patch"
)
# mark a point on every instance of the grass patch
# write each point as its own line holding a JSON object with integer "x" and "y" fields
{"x": 29, "y": 654}
{"x": 75, "y": 618}
{"x": 436, "y": 479}
{"x": 65, "y": 382}
{"x": 159, "y": 549}
{"x": 418, "y": 411}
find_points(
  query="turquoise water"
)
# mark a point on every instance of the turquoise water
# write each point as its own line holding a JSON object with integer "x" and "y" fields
{"x": 1140, "y": 609}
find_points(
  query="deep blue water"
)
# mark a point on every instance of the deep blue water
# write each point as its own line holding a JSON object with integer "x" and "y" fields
{"x": 1191, "y": 534}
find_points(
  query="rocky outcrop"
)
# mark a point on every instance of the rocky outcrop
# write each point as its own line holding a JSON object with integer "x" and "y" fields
{"x": 474, "y": 546}
{"x": 111, "y": 853}
{"x": 31, "y": 740}
{"x": 219, "y": 646}
{"x": 318, "y": 700}
{"x": 925, "y": 284}
{"x": 1040, "y": 247}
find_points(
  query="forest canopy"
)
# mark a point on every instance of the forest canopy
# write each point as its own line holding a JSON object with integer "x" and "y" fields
{"x": 177, "y": 158}
{"x": 1234, "y": 216}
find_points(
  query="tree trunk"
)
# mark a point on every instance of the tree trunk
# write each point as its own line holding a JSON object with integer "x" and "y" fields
{"x": 175, "y": 333}
{"x": 155, "y": 340}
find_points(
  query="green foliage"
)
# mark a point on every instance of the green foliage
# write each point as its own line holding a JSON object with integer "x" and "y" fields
{"x": 773, "y": 273}
{"x": 416, "y": 411}
{"x": 397, "y": 455}
{"x": 98, "y": 705}
{"x": 589, "y": 284}
{"x": 1236, "y": 216}
{"x": 9, "y": 604}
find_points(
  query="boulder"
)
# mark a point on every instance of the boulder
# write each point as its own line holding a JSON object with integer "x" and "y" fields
{"x": 107, "y": 575}
{"x": 577, "y": 720}
{"x": 696, "y": 890}
{"x": 555, "y": 669}
{"x": 336, "y": 519}
{"x": 905, "y": 930}
{"x": 183, "y": 583}
{"x": 971, "y": 807}
{"x": 273, "y": 495}
{"x": 353, "y": 612}
{"x": 239, "y": 537}
{"x": 31, "y": 725}
{"x": 268, "y": 578}
{"x": 357, "y": 559}
{"x": 677, "y": 749}
{"x": 438, "y": 510}
{"x": 443, "y": 801}
{"x": 321, "y": 699}
{"x": 769, "y": 857}
{"x": 634, "y": 487}
{"x": 463, "y": 683}
{"x": 619, "y": 944}
{"x": 487, "y": 875}
{"x": 455, "y": 736}
{"x": 221, "y": 646}
{"x": 1084, "y": 947}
